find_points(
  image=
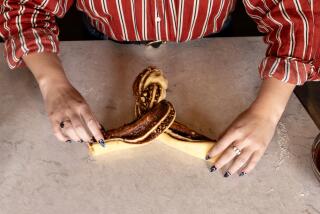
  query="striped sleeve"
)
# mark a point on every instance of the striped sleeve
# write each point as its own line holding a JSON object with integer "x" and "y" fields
{"x": 28, "y": 26}
{"x": 290, "y": 32}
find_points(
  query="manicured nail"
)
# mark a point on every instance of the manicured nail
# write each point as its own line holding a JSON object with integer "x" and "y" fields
{"x": 81, "y": 141}
{"x": 213, "y": 168}
{"x": 101, "y": 142}
{"x": 227, "y": 174}
{"x": 242, "y": 174}
{"x": 208, "y": 157}
{"x": 68, "y": 141}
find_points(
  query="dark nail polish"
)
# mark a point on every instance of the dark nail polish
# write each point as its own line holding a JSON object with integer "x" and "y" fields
{"x": 208, "y": 157}
{"x": 213, "y": 168}
{"x": 68, "y": 141}
{"x": 93, "y": 140}
{"x": 242, "y": 174}
{"x": 227, "y": 174}
{"x": 101, "y": 142}
{"x": 81, "y": 141}
{"x": 62, "y": 125}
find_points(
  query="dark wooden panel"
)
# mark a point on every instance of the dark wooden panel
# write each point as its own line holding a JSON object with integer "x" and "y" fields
{"x": 309, "y": 96}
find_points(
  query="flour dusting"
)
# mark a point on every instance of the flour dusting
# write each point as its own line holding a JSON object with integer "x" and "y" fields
{"x": 91, "y": 92}
{"x": 283, "y": 139}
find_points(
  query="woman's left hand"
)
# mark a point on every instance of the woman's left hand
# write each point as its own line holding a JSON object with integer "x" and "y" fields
{"x": 248, "y": 135}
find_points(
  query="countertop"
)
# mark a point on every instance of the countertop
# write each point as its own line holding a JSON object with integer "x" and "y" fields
{"x": 211, "y": 81}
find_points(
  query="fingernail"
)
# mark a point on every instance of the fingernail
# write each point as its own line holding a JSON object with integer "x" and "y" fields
{"x": 213, "y": 168}
{"x": 242, "y": 174}
{"x": 68, "y": 141}
{"x": 208, "y": 157}
{"x": 81, "y": 141}
{"x": 101, "y": 142}
{"x": 93, "y": 139}
{"x": 227, "y": 174}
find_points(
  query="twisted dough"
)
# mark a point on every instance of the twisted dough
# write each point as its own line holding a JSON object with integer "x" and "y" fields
{"x": 155, "y": 119}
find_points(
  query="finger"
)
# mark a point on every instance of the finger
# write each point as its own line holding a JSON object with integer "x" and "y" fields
{"x": 93, "y": 125}
{"x": 224, "y": 142}
{"x": 240, "y": 161}
{"x": 79, "y": 128}
{"x": 228, "y": 155}
{"x": 224, "y": 132}
{"x": 252, "y": 162}
{"x": 69, "y": 131}
{"x": 58, "y": 133}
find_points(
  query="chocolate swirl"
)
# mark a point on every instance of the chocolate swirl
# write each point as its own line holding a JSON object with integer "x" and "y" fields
{"x": 155, "y": 118}
{"x": 149, "y": 88}
{"x": 146, "y": 128}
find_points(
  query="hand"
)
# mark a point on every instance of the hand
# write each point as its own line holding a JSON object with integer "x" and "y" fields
{"x": 251, "y": 133}
{"x": 65, "y": 104}
{"x": 70, "y": 115}
{"x": 253, "y": 130}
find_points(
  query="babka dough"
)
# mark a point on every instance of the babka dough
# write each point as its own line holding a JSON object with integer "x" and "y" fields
{"x": 155, "y": 120}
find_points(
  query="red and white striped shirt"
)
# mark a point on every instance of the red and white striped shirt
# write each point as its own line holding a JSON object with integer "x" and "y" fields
{"x": 291, "y": 27}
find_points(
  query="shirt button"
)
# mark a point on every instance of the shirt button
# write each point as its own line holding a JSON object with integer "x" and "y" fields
{"x": 158, "y": 19}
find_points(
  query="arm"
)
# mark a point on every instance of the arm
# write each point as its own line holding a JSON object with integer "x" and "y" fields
{"x": 272, "y": 98}
{"x": 28, "y": 28}
{"x": 31, "y": 38}
{"x": 53, "y": 73}
{"x": 290, "y": 31}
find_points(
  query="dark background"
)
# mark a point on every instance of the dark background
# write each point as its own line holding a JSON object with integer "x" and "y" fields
{"x": 72, "y": 28}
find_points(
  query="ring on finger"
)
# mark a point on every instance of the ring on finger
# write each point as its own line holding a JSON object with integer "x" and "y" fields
{"x": 236, "y": 150}
{"x": 62, "y": 123}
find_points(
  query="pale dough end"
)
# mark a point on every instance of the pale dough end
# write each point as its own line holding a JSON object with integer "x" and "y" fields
{"x": 197, "y": 149}
{"x": 111, "y": 146}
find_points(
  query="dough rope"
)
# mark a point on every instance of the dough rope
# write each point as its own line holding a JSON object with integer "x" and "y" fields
{"x": 146, "y": 128}
{"x": 155, "y": 119}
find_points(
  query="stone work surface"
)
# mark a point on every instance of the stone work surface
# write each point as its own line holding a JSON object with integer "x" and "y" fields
{"x": 210, "y": 82}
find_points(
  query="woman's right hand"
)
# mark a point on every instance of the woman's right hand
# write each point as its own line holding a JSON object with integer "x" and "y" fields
{"x": 69, "y": 113}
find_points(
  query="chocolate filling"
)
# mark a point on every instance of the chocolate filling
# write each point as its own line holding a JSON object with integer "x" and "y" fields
{"x": 154, "y": 115}
{"x": 186, "y": 132}
{"x": 147, "y": 127}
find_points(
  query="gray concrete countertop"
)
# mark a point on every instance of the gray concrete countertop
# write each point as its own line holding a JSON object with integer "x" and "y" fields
{"x": 210, "y": 82}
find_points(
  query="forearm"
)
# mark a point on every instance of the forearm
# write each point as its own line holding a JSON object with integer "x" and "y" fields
{"x": 272, "y": 98}
{"x": 46, "y": 68}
